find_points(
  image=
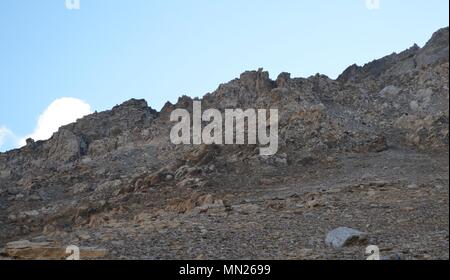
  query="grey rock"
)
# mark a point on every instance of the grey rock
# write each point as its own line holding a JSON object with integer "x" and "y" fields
{"x": 80, "y": 188}
{"x": 13, "y": 191}
{"x": 5, "y": 174}
{"x": 344, "y": 236}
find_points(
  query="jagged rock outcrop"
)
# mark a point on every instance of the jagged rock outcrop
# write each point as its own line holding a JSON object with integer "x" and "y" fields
{"x": 410, "y": 61}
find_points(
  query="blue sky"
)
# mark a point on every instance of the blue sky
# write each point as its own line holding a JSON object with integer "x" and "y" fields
{"x": 109, "y": 51}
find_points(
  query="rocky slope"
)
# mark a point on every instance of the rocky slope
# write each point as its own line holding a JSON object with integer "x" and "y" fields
{"x": 368, "y": 150}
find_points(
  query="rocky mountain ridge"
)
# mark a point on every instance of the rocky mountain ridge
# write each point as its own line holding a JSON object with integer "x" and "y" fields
{"x": 116, "y": 166}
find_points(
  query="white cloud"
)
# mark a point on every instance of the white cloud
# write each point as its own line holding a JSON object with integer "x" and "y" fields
{"x": 60, "y": 112}
{"x": 5, "y": 134}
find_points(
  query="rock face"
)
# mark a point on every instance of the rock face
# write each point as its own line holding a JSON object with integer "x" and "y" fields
{"x": 106, "y": 168}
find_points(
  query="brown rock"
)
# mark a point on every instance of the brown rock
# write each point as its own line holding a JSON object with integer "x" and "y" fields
{"x": 26, "y": 250}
